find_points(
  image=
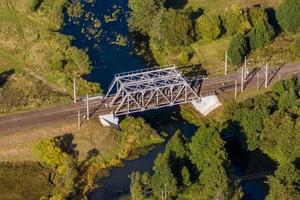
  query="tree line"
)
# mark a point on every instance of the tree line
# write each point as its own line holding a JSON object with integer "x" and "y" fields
{"x": 173, "y": 29}
{"x": 199, "y": 168}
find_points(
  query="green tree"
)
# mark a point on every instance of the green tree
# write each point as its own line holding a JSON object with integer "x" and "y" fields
{"x": 257, "y": 15}
{"x": 186, "y": 179}
{"x": 252, "y": 123}
{"x": 207, "y": 148}
{"x": 176, "y": 28}
{"x": 235, "y": 22}
{"x": 163, "y": 182}
{"x": 209, "y": 27}
{"x": 285, "y": 184}
{"x": 142, "y": 14}
{"x": 177, "y": 146}
{"x": 287, "y": 99}
{"x": 238, "y": 49}
{"x": 261, "y": 35}
{"x": 136, "y": 188}
{"x": 49, "y": 153}
{"x": 280, "y": 138}
{"x": 215, "y": 183}
{"x": 288, "y": 15}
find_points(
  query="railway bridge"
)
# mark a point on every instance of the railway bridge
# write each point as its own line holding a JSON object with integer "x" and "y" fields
{"x": 152, "y": 88}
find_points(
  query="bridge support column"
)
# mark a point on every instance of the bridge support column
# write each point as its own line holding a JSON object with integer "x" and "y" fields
{"x": 109, "y": 120}
{"x": 207, "y": 104}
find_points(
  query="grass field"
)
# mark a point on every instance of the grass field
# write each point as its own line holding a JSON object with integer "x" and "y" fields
{"x": 31, "y": 46}
{"x": 23, "y": 180}
{"x": 18, "y": 146}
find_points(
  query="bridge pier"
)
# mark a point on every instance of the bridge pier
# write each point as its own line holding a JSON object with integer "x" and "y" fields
{"x": 207, "y": 104}
{"x": 109, "y": 120}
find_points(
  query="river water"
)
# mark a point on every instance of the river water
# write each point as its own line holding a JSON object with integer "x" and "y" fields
{"x": 110, "y": 59}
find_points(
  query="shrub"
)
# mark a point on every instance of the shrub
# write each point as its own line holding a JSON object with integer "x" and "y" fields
{"x": 296, "y": 44}
{"x": 261, "y": 35}
{"x": 288, "y": 15}
{"x": 257, "y": 15}
{"x": 34, "y": 5}
{"x": 235, "y": 23}
{"x": 176, "y": 28}
{"x": 238, "y": 49}
{"x": 209, "y": 27}
{"x": 142, "y": 14}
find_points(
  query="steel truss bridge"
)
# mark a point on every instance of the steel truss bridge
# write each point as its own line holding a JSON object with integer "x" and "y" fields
{"x": 148, "y": 89}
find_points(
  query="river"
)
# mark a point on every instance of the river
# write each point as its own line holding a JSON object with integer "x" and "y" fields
{"x": 110, "y": 59}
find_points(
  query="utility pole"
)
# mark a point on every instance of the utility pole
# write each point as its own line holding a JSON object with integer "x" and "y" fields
{"x": 87, "y": 107}
{"x": 226, "y": 63}
{"x": 242, "y": 80}
{"x": 235, "y": 89}
{"x": 78, "y": 119}
{"x": 74, "y": 90}
{"x": 266, "y": 76}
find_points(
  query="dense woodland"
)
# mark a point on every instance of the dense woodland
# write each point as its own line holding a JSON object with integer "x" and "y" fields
{"x": 179, "y": 32}
{"x": 199, "y": 168}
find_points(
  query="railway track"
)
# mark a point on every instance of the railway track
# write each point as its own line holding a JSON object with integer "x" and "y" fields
{"x": 44, "y": 116}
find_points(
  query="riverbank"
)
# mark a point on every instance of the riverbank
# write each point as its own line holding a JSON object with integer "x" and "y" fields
{"x": 37, "y": 63}
{"x": 96, "y": 149}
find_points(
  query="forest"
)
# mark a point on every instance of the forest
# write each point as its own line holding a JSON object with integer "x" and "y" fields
{"x": 193, "y": 32}
{"x": 199, "y": 168}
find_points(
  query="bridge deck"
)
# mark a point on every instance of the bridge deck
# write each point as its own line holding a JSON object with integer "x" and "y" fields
{"x": 45, "y": 116}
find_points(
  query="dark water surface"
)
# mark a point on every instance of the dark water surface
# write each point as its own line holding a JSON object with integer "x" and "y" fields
{"x": 110, "y": 59}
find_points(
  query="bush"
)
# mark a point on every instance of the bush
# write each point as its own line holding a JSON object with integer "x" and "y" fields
{"x": 296, "y": 44}
{"x": 238, "y": 49}
{"x": 235, "y": 23}
{"x": 176, "y": 28}
{"x": 261, "y": 35}
{"x": 209, "y": 27}
{"x": 34, "y": 5}
{"x": 142, "y": 14}
{"x": 257, "y": 16}
{"x": 288, "y": 15}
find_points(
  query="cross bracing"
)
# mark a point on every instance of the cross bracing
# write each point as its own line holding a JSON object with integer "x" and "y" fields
{"x": 149, "y": 89}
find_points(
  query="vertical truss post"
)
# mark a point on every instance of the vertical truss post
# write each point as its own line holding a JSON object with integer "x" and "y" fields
{"x": 171, "y": 90}
{"x": 185, "y": 93}
{"x": 128, "y": 104}
{"x": 143, "y": 100}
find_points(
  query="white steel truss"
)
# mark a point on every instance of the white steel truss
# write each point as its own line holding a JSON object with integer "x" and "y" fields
{"x": 148, "y": 89}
